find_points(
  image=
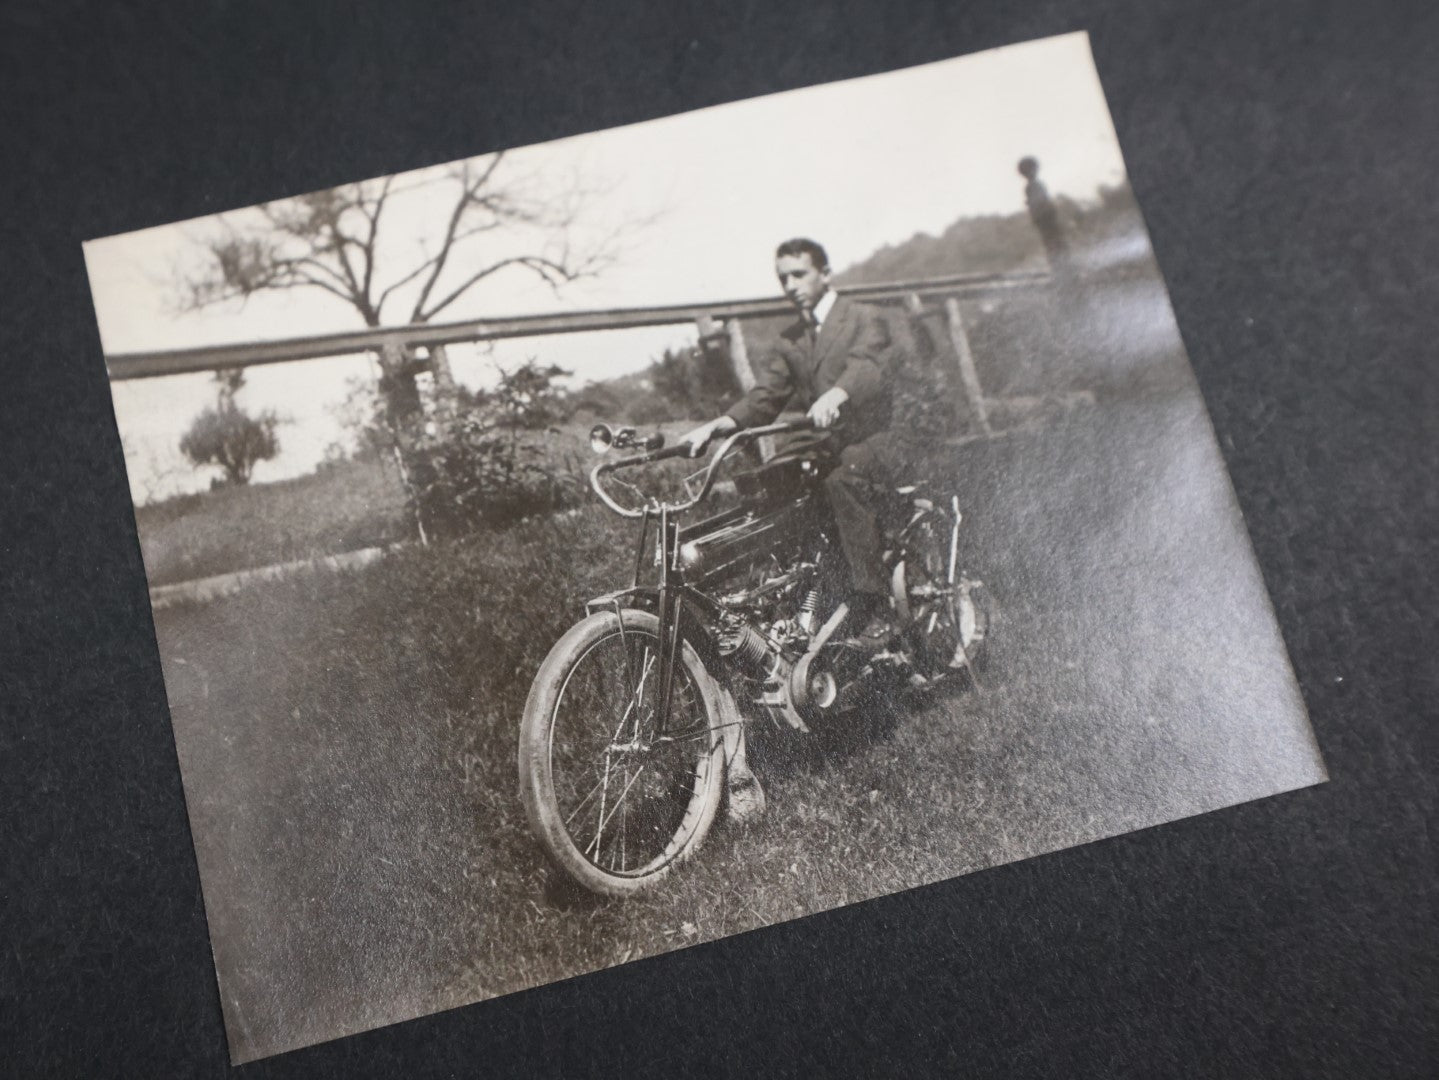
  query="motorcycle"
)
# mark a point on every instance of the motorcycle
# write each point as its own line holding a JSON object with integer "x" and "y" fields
{"x": 639, "y": 709}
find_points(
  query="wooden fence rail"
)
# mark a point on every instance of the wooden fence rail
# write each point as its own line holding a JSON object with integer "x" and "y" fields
{"x": 145, "y": 365}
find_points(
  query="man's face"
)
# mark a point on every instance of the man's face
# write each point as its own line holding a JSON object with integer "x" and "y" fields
{"x": 802, "y": 281}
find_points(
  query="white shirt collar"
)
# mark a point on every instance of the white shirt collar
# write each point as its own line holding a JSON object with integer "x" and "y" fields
{"x": 822, "y": 309}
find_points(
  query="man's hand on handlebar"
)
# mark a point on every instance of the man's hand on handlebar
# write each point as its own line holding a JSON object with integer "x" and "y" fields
{"x": 825, "y": 410}
{"x": 689, "y": 446}
{"x": 699, "y": 438}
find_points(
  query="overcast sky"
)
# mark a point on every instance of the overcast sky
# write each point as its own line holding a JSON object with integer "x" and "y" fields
{"x": 856, "y": 164}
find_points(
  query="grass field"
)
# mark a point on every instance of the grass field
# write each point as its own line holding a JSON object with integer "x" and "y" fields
{"x": 351, "y": 505}
{"x": 341, "y": 508}
{"x": 348, "y": 740}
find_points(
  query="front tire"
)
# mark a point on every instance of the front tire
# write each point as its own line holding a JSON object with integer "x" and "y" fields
{"x": 615, "y": 809}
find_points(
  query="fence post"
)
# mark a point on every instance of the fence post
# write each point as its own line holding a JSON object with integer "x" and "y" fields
{"x": 739, "y": 354}
{"x": 444, "y": 377}
{"x": 968, "y": 373}
{"x": 731, "y": 330}
{"x": 744, "y": 372}
{"x": 399, "y": 402}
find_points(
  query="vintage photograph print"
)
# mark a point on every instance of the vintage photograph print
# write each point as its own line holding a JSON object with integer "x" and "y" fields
{"x": 581, "y": 551}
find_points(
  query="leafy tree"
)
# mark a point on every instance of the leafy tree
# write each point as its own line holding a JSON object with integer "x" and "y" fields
{"x": 227, "y": 436}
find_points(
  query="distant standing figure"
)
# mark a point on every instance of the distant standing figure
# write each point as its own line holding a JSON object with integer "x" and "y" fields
{"x": 1045, "y": 215}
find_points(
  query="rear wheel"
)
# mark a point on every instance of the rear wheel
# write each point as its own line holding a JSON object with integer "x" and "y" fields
{"x": 614, "y": 805}
{"x": 947, "y": 622}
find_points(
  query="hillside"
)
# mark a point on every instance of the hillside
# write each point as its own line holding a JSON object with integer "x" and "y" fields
{"x": 1000, "y": 243}
{"x": 993, "y": 243}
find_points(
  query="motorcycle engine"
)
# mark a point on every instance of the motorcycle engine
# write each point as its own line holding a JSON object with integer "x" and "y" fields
{"x": 761, "y": 561}
{"x": 766, "y": 630}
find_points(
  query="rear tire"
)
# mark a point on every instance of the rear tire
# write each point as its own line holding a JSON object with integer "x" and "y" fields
{"x": 943, "y": 617}
{"x": 613, "y": 809}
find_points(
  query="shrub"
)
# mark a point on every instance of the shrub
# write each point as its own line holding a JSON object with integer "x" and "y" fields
{"x": 488, "y": 458}
{"x": 470, "y": 470}
{"x": 226, "y": 435}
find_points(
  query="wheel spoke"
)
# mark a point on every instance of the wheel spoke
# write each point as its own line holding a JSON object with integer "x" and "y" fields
{"x": 640, "y": 694}
{"x": 584, "y": 802}
{"x": 615, "y": 809}
{"x": 603, "y": 792}
{"x": 624, "y": 834}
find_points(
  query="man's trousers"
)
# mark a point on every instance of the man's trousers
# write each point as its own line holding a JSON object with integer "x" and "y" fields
{"x": 858, "y": 485}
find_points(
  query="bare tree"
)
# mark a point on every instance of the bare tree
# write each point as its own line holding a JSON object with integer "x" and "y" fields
{"x": 347, "y": 243}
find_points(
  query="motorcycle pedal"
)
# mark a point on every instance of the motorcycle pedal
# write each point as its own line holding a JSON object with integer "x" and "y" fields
{"x": 889, "y": 657}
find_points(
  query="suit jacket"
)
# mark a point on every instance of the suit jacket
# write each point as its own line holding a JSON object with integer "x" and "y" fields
{"x": 852, "y": 351}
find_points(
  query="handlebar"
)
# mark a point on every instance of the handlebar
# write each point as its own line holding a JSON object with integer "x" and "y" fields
{"x": 732, "y": 440}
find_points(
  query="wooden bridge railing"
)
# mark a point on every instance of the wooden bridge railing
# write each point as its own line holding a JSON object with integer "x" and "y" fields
{"x": 708, "y": 316}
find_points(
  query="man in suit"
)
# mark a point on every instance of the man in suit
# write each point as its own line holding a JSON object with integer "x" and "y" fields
{"x": 833, "y": 363}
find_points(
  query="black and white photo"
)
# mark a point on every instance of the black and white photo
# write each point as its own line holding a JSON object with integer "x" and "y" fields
{"x": 586, "y": 550}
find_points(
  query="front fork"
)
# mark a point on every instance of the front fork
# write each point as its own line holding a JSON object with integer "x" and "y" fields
{"x": 669, "y": 617}
{"x": 667, "y": 599}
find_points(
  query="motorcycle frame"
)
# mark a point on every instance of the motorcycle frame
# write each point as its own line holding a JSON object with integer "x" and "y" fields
{"x": 669, "y": 596}
{"x": 672, "y": 592}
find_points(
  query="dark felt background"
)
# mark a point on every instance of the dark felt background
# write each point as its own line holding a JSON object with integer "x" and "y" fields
{"x": 1285, "y": 155}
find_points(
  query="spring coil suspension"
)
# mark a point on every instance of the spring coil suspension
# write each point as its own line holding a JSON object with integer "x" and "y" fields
{"x": 808, "y": 618}
{"x": 749, "y": 650}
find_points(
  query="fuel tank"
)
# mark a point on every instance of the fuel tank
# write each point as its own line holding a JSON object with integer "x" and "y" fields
{"x": 727, "y": 545}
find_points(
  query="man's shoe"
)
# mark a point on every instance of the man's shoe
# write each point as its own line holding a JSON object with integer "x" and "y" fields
{"x": 746, "y": 798}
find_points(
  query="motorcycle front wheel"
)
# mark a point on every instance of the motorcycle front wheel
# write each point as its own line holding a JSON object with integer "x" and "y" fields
{"x": 615, "y": 803}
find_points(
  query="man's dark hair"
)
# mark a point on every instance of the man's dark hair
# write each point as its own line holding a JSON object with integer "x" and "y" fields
{"x": 802, "y": 246}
